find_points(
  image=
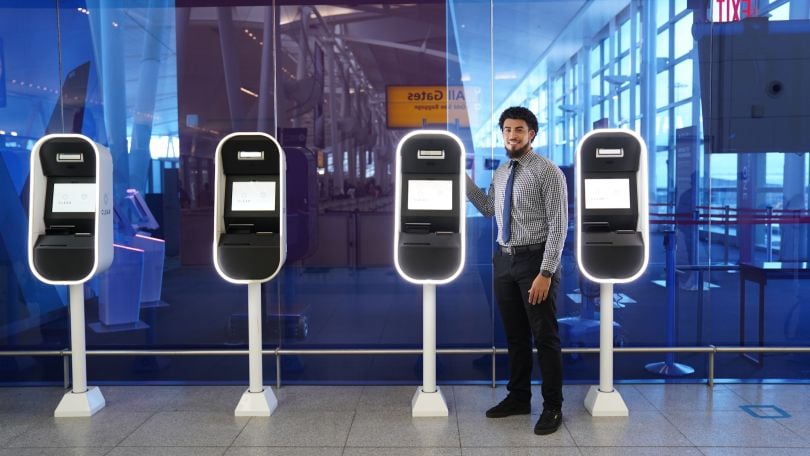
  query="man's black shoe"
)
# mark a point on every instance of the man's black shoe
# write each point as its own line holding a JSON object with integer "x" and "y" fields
{"x": 549, "y": 422}
{"x": 509, "y": 407}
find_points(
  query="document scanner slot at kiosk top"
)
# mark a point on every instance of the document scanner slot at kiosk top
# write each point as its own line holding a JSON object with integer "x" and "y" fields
{"x": 250, "y": 196}
{"x": 429, "y": 241}
{"x": 612, "y": 238}
{"x": 64, "y": 248}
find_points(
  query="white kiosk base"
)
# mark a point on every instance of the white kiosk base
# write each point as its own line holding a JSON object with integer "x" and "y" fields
{"x": 428, "y": 404}
{"x": 600, "y": 403}
{"x": 257, "y": 404}
{"x": 74, "y": 405}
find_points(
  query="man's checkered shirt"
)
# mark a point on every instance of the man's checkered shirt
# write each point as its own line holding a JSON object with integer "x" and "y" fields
{"x": 539, "y": 205}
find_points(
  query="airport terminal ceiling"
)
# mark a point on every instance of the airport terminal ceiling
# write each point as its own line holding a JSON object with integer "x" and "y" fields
{"x": 398, "y": 44}
{"x": 383, "y": 44}
{"x": 375, "y": 46}
{"x": 342, "y": 57}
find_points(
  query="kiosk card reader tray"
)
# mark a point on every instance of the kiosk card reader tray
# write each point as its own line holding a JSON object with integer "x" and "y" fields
{"x": 53, "y": 251}
{"x": 429, "y": 255}
{"x": 601, "y": 250}
{"x": 249, "y": 256}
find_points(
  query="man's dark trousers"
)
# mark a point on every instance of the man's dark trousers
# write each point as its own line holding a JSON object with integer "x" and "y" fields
{"x": 513, "y": 279}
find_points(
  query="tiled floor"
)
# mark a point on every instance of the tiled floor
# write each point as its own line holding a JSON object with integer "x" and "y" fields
{"x": 375, "y": 420}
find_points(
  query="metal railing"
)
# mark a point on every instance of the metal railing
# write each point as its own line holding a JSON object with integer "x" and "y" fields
{"x": 710, "y": 350}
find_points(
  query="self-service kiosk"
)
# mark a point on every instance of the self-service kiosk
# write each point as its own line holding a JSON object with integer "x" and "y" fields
{"x": 250, "y": 237}
{"x": 612, "y": 236}
{"x": 70, "y": 238}
{"x": 429, "y": 236}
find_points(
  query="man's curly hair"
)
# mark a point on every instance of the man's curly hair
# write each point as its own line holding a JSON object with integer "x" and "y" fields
{"x": 520, "y": 113}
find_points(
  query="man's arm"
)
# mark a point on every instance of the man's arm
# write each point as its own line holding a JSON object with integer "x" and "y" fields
{"x": 484, "y": 202}
{"x": 555, "y": 196}
{"x": 556, "y": 202}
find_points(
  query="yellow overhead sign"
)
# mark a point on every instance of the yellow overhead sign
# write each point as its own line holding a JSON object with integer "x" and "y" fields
{"x": 417, "y": 106}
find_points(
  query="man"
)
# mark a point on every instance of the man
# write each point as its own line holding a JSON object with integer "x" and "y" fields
{"x": 529, "y": 201}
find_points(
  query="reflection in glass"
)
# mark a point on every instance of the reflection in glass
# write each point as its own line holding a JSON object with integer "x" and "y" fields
{"x": 160, "y": 84}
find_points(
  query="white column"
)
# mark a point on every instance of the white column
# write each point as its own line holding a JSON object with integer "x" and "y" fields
{"x": 230, "y": 66}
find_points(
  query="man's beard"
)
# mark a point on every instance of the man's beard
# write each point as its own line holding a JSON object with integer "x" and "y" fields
{"x": 512, "y": 154}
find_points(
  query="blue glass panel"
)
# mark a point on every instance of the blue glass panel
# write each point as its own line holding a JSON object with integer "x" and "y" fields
{"x": 29, "y": 311}
{"x": 160, "y": 83}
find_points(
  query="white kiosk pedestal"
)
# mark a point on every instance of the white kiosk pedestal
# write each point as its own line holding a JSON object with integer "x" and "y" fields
{"x": 428, "y": 400}
{"x": 258, "y": 400}
{"x": 604, "y": 400}
{"x": 250, "y": 194}
{"x": 429, "y": 236}
{"x": 81, "y": 401}
{"x": 613, "y": 232}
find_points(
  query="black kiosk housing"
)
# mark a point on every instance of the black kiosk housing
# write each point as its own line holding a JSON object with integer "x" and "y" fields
{"x": 612, "y": 205}
{"x": 249, "y": 222}
{"x": 70, "y": 216}
{"x": 429, "y": 224}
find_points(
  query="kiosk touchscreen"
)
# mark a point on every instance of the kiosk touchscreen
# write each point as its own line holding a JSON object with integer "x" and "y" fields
{"x": 430, "y": 206}
{"x": 429, "y": 236}
{"x": 250, "y": 242}
{"x": 612, "y": 236}
{"x": 70, "y": 237}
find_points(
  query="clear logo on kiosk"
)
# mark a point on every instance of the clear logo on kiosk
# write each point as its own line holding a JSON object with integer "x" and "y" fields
{"x": 74, "y": 197}
{"x": 430, "y": 195}
{"x": 607, "y": 193}
{"x": 253, "y": 196}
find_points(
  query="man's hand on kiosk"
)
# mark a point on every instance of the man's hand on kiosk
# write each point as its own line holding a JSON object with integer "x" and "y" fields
{"x": 539, "y": 290}
{"x": 470, "y": 182}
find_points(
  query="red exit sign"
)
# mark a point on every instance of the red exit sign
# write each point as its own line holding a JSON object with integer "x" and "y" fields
{"x": 733, "y": 10}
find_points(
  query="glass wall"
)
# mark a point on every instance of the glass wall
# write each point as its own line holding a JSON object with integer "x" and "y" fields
{"x": 706, "y": 84}
{"x": 29, "y": 106}
{"x": 718, "y": 94}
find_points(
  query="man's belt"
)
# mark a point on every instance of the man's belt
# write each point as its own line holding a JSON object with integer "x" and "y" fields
{"x": 518, "y": 249}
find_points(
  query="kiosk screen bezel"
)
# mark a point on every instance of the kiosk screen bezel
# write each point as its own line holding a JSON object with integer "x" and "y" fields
{"x": 617, "y": 219}
{"x": 409, "y": 203}
{"x": 75, "y": 188}
{"x": 70, "y": 222}
{"x": 266, "y": 221}
{"x": 433, "y": 220}
{"x": 622, "y": 191}
{"x": 429, "y": 213}
{"x": 272, "y": 189}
